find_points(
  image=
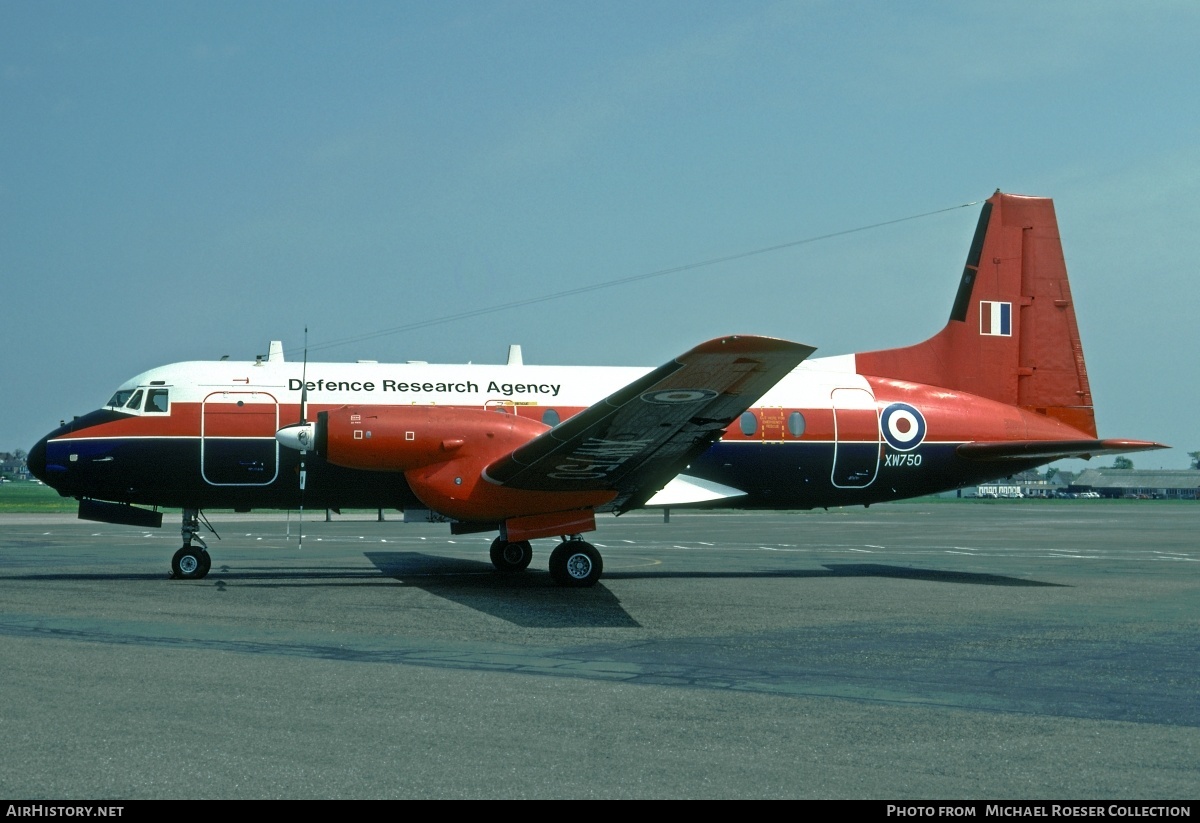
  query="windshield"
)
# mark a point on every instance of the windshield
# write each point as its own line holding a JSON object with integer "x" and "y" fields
{"x": 120, "y": 398}
{"x": 156, "y": 400}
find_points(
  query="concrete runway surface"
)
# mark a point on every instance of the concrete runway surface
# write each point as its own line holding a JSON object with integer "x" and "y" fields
{"x": 949, "y": 650}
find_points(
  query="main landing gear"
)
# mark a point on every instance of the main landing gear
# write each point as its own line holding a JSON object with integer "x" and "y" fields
{"x": 191, "y": 562}
{"x": 511, "y": 557}
{"x": 574, "y": 563}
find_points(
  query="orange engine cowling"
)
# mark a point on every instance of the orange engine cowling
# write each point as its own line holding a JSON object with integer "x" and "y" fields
{"x": 442, "y": 452}
{"x": 401, "y": 438}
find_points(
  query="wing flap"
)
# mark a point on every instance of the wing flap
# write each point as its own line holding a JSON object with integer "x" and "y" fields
{"x": 643, "y": 435}
{"x": 683, "y": 490}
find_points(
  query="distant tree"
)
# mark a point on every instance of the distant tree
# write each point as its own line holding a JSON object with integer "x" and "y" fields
{"x": 1122, "y": 463}
{"x": 1195, "y": 459}
{"x": 1050, "y": 472}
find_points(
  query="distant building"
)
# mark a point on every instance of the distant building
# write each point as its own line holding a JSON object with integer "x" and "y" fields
{"x": 1023, "y": 484}
{"x": 1162, "y": 484}
{"x": 13, "y": 468}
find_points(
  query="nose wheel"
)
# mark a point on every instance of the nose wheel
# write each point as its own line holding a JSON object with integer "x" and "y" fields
{"x": 190, "y": 563}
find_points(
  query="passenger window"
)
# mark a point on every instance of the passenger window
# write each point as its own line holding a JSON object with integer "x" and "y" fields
{"x": 796, "y": 423}
{"x": 749, "y": 423}
{"x": 550, "y": 417}
{"x": 156, "y": 401}
{"x": 135, "y": 402}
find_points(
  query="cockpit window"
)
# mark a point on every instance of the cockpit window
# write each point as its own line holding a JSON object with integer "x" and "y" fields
{"x": 135, "y": 402}
{"x": 120, "y": 398}
{"x": 156, "y": 401}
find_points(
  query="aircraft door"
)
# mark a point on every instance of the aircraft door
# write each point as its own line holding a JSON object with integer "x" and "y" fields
{"x": 237, "y": 438}
{"x": 856, "y": 438}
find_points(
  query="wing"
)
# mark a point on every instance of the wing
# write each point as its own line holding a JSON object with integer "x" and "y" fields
{"x": 1051, "y": 449}
{"x": 639, "y": 438}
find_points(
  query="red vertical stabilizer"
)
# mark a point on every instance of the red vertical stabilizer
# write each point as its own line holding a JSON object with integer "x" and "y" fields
{"x": 1012, "y": 335}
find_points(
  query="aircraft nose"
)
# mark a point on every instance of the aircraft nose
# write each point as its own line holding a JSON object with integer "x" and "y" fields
{"x": 36, "y": 460}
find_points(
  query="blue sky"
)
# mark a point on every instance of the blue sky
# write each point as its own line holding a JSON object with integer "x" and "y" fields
{"x": 187, "y": 180}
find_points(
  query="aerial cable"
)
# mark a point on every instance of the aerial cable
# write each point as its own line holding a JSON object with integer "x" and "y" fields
{"x": 621, "y": 281}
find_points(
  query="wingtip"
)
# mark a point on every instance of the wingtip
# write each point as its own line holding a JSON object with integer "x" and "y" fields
{"x": 750, "y": 343}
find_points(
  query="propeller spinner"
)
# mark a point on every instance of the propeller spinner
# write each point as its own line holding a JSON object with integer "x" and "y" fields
{"x": 298, "y": 436}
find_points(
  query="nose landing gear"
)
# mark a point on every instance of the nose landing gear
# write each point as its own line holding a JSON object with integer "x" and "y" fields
{"x": 191, "y": 562}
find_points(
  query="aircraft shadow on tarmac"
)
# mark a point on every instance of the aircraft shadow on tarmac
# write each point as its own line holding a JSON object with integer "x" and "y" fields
{"x": 527, "y": 599}
{"x": 846, "y": 570}
{"x": 473, "y": 584}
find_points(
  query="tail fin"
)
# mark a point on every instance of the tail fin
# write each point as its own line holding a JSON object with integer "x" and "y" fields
{"x": 1012, "y": 334}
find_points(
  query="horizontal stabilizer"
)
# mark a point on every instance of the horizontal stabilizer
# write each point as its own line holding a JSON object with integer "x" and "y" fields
{"x": 1051, "y": 449}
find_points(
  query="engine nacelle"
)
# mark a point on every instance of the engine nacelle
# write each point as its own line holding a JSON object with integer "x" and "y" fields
{"x": 442, "y": 452}
{"x": 402, "y": 438}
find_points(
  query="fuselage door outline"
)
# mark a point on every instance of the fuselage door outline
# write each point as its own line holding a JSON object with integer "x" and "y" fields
{"x": 856, "y": 438}
{"x": 237, "y": 438}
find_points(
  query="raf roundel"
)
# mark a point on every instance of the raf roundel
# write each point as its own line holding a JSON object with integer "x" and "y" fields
{"x": 903, "y": 426}
{"x": 679, "y": 396}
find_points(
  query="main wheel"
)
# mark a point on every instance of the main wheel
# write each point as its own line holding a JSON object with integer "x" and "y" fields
{"x": 190, "y": 563}
{"x": 576, "y": 564}
{"x": 511, "y": 557}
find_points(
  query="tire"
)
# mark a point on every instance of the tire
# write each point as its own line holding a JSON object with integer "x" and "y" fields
{"x": 190, "y": 563}
{"x": 511, "y": 557}
{"x": 576, "y": 564}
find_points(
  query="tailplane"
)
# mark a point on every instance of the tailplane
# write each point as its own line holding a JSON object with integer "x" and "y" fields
{"x": 1012, "y": 334}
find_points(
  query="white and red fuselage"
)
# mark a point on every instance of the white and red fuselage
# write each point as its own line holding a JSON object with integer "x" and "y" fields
{"x": 824, "y": 435}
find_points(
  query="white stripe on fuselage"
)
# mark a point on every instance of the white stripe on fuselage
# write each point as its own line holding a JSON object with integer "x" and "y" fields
{"x": 335, "y": 384}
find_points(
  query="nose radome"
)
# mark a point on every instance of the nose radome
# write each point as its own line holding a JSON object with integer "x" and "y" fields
{"x": 36, "y": 460}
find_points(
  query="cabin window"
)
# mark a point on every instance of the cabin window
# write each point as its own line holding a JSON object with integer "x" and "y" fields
{"x": 120, "y": 398}
{"x": 135, "y": 402}
{"x": 156, "y": 401}
{"x": 550, "y": 417}
{"x": 796, "y": 423}
{"x": 749, "y": 423}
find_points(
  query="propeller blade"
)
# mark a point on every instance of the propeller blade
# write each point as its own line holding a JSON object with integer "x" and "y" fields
{"x": 304, "y": 381}
{"x": 304, "y": 435}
